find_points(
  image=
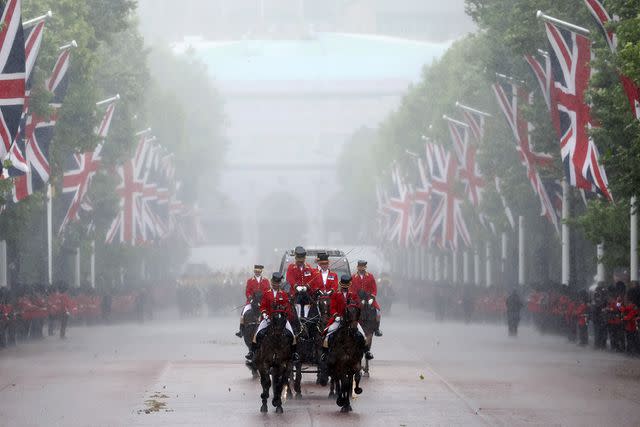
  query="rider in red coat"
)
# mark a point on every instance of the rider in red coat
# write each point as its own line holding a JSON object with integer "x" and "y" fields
{"x": 365, "y": 282}
{"x": 324, "y": 280}
{"x": 339, "y": 302}
{"x": 256, "y": 283}
{"x": 274, "y": 300}
{"x": 299, "y": 276}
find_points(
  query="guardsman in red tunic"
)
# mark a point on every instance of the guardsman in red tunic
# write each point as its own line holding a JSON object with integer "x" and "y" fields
{"x": 339, "y": 302}
{"x": 324, "y": 280}
{"x": 630, "y": 315}
{"x": 364, "y": 282}
{"x": 255, "y": 284}
{"x": 274, "y": 300}
{"x": 299, "y": 277}
{"x": 581, "y": 313}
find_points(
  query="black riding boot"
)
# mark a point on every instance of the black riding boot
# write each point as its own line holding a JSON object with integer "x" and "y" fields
{"x": 240, "y": 332}
{"x": 255, "y": 345}
{"x": 377, "y": 332}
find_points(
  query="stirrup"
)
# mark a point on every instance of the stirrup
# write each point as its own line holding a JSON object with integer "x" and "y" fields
{"x": 368, "y": 355}
{"x": 295, "y": 357}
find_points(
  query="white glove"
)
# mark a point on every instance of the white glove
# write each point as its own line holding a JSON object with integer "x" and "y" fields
{"x": 370, "y": 301}
{"x": 265, "y": 316}
{"x": 300, "y": 288}
{"x": 338, "y": 318}
{"x": 362, "y": 302}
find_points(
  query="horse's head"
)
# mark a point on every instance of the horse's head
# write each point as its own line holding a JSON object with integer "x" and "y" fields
{"x": 255, "y": 301}
{"x": 352, "y": 313}
{"x": 324, "y": 302}
{"x": 278, "y": 320}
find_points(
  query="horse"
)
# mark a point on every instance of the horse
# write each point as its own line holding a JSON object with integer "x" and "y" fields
{"x": 251, "y": 320}
{"x": 323, "y": 303}
{"x": 344, "y": 362}
{"x": 367, "y": 321}
{"x": 273, "y": 360}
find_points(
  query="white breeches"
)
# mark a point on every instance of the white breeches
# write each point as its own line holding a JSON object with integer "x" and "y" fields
{"x": 245, "y": 309}
{"x": 307, "y": 307}
{"x": 266, "y": 322}
{"x": 334, "y": 327}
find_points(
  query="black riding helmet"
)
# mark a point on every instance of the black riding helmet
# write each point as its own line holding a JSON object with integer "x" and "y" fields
{"x": 345, "y": 281}
{"x": 276, "y": 279}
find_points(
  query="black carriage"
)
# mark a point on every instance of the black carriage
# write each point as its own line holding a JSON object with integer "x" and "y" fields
{"x": 309, "y": 328}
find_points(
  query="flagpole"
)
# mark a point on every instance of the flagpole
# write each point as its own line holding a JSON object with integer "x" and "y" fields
{"x": 465, "y": 267}
{"x": 566, "y": 25}
{"x": 93, "y": 264}
{"x": 476, "y": 267}
{"x": 488, "y": 268}
{"x": 521, "y": 253}
{"x": 503, "y": 258}
{"x": 31, "y": 22}
{"x": 600, "y": 269}
{"x": 633, "y": 255}
{"x": 76, "y": 280}
{"x": 454, "y": 267}
{"x": 565, "y": 232}
{"x": 49, "y": 235}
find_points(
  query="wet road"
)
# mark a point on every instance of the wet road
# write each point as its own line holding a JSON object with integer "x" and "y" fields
{"x": 424, "y": 374}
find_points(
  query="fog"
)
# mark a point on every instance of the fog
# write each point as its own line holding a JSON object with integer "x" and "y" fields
{"x": 297, "y": 82}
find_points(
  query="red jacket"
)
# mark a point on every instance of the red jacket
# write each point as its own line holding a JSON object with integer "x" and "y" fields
{"x": 6, "y": 310}
{"x": 339, "y": 303}
{"x": 299, "y": 276}
{"x": 271, "y": 302}
{"x": 318, "y": 285}
{"x": 367, "y": 284}
{"x": 630, "y": 313}
{"x": 254, "y": 286}
{"x": 581, "y": 312}
{"x": 615, "y": 314}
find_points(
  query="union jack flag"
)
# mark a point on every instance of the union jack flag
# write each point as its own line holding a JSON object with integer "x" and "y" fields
{"x": 422, "y": 199}
{"x": 80, "y": 168}
{"x": 38, "y": 133}
{"x": 402, "y": 205}
{"x": 467, "y": 153}
{"x": 128, "y": 226}
{"x": 448, "y": 222}
{"x": 17, "y": 156}
{"x": 603, "y": 19}
{"x": 12, "y": 78}
{"x": 509, "y": 97}
{"x": 570, "y": 56}
{"x": 542, "y": 72}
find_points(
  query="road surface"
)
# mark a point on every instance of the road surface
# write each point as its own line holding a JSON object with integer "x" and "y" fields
{"x": 191, "y": 372}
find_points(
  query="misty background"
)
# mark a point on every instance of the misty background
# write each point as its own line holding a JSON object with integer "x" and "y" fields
{"x": 297, "y": 80}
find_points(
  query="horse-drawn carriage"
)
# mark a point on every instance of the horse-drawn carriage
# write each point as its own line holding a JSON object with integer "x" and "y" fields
{"x": 343, "y": 360}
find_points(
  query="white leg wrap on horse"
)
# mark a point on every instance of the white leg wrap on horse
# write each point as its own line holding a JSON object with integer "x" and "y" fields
{"x": 298, "y": 309}
{"x": 306, "y": 310}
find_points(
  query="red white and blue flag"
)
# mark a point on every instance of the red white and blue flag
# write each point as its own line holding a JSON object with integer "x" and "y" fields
{"x": 80, "y": 168}
{"x": 402, "y": 206}
{"x": 38, "y": 134}
{"x": 570, "y": 56}
{"x": 12, "y": 74}
{"x": 604, "y": 20}
{"x": 509, "y": 96}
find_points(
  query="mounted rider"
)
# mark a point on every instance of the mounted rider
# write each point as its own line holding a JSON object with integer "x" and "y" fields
{"x": 324, "y": 280}
{"x": 299, "y": 276}
{"x": 255, "y": 284}
{"x": 274, "y": 300}
{"x": 364, "y": 282}
{"x": 339, "y": 302}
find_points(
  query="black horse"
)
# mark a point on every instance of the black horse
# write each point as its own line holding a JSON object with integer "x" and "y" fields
{"x": 367, "y": 321}
{"x": 323, "y": 302}
{"x": 344, "y": 362}
{"x": 251, "y": 320}
{"x": 273, "y": 360}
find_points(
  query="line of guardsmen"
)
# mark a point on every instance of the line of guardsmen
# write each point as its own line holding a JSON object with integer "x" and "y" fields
{"x": 26, "y": 309}
{"x": 613, "y": 313}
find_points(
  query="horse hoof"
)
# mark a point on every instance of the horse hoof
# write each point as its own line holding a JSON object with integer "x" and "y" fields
{"x": 279, "y": 410}
{"x": 298, "y": 396}
{"x": 340, "y": 401}
{"x": 344, "y": 409}
{"x": 365, "y": 374}
{"x": 263, "y": 408}
{"x": 358, "y": 390}
{"x": 332, "y": 395}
